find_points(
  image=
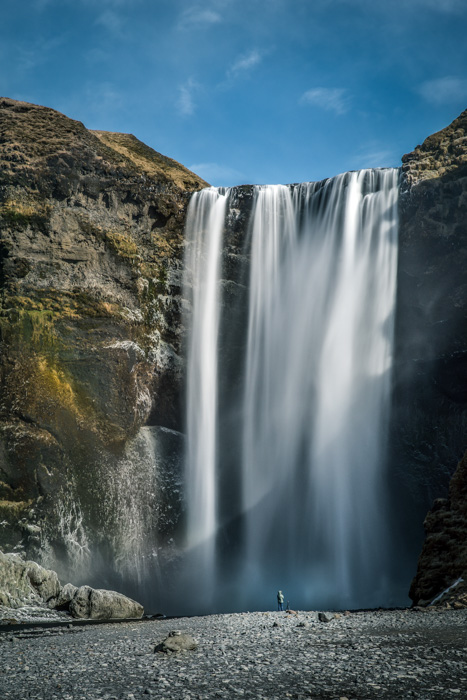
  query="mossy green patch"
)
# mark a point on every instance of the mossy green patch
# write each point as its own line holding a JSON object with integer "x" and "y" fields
{"x": 47, "y": 305}
{"x": 13, "y": 510}
{"x": 123, "y": 245}
{"x": 21, "y": 214}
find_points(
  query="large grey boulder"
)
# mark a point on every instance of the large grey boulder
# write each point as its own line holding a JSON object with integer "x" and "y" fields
{"x": 25, "y": 582}
{"x": 64, "y": 598}
{"x": 44, "y": 581}
{"x": 98, "y": 604}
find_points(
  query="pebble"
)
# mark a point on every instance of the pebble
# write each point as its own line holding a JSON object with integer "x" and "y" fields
{"x": 375, "y": 654}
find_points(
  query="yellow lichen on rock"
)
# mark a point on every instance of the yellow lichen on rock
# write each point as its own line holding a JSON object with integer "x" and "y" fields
{"x": 124, "y": 245}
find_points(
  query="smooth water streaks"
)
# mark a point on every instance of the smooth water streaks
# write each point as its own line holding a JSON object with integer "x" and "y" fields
{"x": 310, "y": 424}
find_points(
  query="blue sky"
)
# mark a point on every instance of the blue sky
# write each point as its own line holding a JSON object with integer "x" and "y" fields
{"x": 246, "y": 91}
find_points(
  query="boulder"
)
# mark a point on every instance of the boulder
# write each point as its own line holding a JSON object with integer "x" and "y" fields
{"x": 177, "y": 642}
{"x": 99, "y": 604}
{"x": 325, "y": 617}
{"x": 64, "y": 598}
{"x": 44, "y": 581}
{"x": 25, "y": 582}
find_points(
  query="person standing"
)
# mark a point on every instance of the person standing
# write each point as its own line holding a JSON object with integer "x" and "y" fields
{"x": 280, "y": 600}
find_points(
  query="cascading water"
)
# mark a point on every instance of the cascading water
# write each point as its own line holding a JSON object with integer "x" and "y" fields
{"x": 310, "y": 419}
{"x": 205, "y": 222}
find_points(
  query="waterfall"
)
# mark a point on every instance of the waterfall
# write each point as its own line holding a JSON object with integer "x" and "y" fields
{"x": 305, "y": 468}
{"x": 205, "y": 222}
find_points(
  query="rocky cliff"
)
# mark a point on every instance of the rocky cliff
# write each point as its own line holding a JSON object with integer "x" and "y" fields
{"x": 430, "y": 371}
{"x": 443, "y": 560}
{"x": 91, "y": 248}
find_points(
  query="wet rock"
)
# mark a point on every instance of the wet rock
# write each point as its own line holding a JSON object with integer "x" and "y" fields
{"x": 99, "y": 604}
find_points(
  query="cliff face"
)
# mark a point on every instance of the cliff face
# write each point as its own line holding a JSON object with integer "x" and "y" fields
{"x": 430, "y": 370}
{"x": 443, "y": 560}
{"x": 91, "y": 247}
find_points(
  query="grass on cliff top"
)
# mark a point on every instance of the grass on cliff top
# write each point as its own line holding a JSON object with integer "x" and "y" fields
{"x": 149, "y": 161}
{"x": 34, "y": 136}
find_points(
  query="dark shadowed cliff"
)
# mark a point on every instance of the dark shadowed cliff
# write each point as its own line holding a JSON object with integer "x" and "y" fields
{"x": 430, "y": 371}
{"x": 443, "y": 560}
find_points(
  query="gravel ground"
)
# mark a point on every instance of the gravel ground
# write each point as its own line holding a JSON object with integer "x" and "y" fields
{"x": 377, "y": 654}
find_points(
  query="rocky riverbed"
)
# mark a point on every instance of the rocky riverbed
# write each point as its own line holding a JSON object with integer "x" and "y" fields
{"x": 419, "y": 653}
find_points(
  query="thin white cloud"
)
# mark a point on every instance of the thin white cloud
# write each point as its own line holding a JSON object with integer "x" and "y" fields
{"x": 448, "y": 6}
{"x": 185, "y": 103}
{"x": 108, "y": 96}
{"x": 245, "y": 63}
{"x": 444, "y": 6}
{"x": 331, "y": 99}
{"x": 444, "y": 90}
{"x": 217, "y": 174}
{"x": 43, "y": 4}
{"x": 110, "y": 21}
{"x": 96, "y": 55}
{"x": 30, "y": 55}
{"x": 375, "y": 156}
{"x": 198, "y": 16}
{"x": 96, "y": 103}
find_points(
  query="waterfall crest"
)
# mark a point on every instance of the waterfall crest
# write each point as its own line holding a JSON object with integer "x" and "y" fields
{"x": 306, "y": 464}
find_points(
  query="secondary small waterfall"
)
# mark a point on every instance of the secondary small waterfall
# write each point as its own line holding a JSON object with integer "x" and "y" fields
{"x": 286, "y": 441}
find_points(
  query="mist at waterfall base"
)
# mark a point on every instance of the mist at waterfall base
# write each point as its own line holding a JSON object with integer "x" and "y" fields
{"x": 288, "y": 387}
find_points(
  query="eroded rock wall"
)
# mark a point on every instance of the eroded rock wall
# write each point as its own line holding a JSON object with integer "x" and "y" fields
{"x": 430, "y": 368}
{"x": 91, "y": 250}
{"x": 443, "y": 560}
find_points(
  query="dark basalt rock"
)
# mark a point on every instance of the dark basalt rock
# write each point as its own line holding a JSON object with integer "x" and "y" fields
{"x": 443, "y": 560}
{"x": 430, "y": 360}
